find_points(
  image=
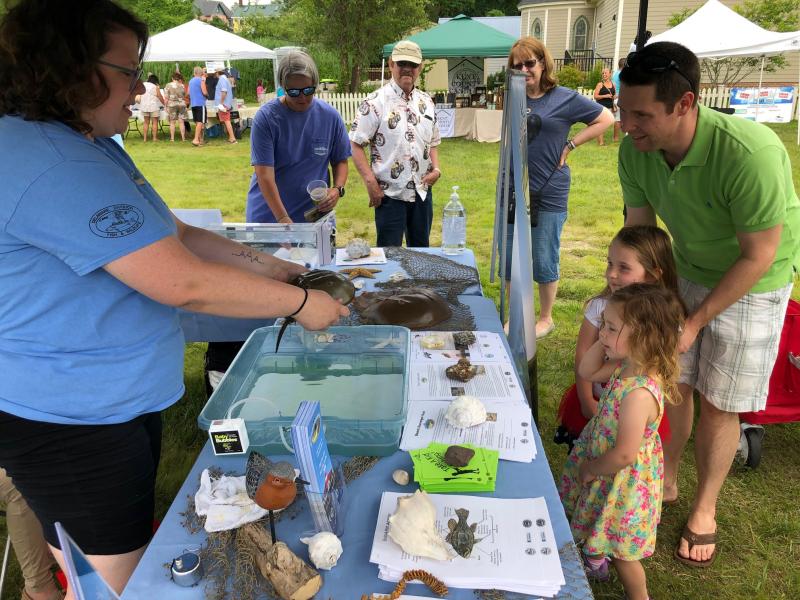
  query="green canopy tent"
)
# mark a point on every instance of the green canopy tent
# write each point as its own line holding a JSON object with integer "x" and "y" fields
{"x": 460, "y": 36}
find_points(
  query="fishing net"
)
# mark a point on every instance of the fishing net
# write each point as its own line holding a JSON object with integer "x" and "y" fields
{"x": 447, "y": 278}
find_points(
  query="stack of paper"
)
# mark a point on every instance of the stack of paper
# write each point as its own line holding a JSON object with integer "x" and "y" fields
{"x": 508, "y": 429}
{"x": 433, "y": 474}
{"x": 514, "y": 546}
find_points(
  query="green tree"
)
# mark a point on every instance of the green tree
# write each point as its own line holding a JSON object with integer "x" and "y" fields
{"x": 774, "y": 15}
{"x": 256, "y": 26}
{"x": 161, "y": 15}
{"x": 355, "y": 31}
{"x": 219, "y": 23}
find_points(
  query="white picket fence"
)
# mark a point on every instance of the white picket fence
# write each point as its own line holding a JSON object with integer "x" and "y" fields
{"x": 347, "y": 104}
{"x": 718, "y": 96}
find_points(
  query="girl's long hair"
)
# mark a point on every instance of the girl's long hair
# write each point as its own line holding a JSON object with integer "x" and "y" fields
{"x": 654, "y": 316}
{"x": 653, "y": 250}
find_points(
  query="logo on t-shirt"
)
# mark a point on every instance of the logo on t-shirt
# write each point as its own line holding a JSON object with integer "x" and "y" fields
{"x": 117, "y": 220}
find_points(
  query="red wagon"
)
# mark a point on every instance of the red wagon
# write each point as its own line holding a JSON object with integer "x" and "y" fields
{"x": 783, "y": 399}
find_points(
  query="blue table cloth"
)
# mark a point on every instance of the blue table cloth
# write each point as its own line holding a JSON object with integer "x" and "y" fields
{"x": 355, "y": 575}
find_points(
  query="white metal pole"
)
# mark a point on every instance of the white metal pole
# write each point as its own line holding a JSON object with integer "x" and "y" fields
{"x": 383, "y": 68}
{"x": 5, "y": 564}
{"x": 797, "y": 101}
{"x": 758, "y": 93}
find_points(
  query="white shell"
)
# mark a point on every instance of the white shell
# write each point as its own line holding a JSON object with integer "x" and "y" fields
{"x": 401, "y": 477}
{"x": 413, "y": 528}
{"x": 358, "y": 247}
{"x": 324, "y": 549}
{"x": 465, "y": 411}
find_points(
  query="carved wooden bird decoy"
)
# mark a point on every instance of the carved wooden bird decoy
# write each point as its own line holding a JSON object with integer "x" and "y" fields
{"x": 270, "y": 484}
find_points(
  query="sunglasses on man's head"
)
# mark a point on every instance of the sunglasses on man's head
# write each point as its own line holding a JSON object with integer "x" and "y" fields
{"x": 295, "y": 92}
{"x": 655, "y": 63}
{"x": 134, "y": 74}
{"x": 529, "y": 64}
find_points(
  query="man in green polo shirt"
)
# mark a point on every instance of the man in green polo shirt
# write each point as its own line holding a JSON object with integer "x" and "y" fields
{"x": 723, "y": 187}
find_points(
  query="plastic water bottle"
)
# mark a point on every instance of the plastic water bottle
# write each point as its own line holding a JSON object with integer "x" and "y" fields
{"x": 454, "y": 225}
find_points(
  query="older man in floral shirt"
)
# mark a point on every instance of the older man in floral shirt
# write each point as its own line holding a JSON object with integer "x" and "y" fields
{"x": 399, "y": 124}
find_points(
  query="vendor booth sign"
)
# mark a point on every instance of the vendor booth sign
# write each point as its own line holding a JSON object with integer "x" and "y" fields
{"x": 765, "y": 105}
{"x": 446, "y": 120}
{"x": 463, "y": 75}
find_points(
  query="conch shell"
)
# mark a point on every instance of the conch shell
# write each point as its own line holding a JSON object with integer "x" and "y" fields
{"x": 465, "y": 411}
{"x": 324, "y": 549}
{"x": 413, "y": 528}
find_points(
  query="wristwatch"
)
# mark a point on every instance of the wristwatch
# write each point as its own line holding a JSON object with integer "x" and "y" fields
{"x": 341, "y": 191}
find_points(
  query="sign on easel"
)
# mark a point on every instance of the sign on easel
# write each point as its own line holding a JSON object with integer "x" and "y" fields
{"x": 463, "y": 75}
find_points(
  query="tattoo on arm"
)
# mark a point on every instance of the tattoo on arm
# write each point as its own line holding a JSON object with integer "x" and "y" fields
{"x": 249, "y": 255}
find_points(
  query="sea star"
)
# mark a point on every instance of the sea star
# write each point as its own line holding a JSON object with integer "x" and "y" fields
{"x": 360, "y": 272}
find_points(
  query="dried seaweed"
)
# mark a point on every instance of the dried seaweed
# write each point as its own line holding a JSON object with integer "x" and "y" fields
{"x": 227, "y": 559}
{"x": 490, "y": 594}
{"x": 357, "y": 466}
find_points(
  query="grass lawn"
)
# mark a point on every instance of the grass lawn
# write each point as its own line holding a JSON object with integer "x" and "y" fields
{"x": 758, "y": 514}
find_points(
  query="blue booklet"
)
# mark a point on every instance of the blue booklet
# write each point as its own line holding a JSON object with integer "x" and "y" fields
{"x": 308, "y": 439}
{"x": 325, "y": 490}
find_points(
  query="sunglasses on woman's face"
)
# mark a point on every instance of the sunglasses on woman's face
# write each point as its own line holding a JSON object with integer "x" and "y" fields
{"x": 529, "y": 64}
{"x": 295, "y": 92}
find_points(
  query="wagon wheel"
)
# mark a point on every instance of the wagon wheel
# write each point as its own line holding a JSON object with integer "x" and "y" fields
{"x": 750, "y": 445}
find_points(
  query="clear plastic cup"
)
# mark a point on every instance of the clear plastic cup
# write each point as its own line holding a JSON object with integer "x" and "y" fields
{"x": 318, "y": 190}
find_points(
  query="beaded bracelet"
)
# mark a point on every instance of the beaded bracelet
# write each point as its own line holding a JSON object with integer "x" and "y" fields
{"x": 302, "y": 305}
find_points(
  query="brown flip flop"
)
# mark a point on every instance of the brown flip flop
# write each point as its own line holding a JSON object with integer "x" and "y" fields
{"x": 697, "y": 539}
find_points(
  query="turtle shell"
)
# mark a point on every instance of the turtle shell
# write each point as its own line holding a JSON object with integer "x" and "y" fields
{"x": 415, "y": 308}
{"x": 335, "y": 284}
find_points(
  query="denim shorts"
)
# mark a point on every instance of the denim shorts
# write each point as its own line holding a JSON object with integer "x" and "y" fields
{"x": 545, "y": 246}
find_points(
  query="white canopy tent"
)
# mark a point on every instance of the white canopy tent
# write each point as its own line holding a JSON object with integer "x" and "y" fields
{"x": 716, "y": 31}
{"x": 199, "y": 41}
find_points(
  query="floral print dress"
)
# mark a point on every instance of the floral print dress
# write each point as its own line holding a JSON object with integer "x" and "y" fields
{"x": 616, "y": 515}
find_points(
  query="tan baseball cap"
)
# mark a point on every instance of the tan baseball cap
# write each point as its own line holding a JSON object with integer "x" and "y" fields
{"x": 406, "y": 50}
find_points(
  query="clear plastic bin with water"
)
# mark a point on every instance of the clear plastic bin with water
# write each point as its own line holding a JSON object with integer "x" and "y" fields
{"x": 357, "y": 374}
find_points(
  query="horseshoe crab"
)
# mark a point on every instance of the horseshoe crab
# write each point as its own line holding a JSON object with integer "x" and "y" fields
{"x": 336, "y": 285}
{"x": 462, "y": 535}
{"x": 415, "y": 308}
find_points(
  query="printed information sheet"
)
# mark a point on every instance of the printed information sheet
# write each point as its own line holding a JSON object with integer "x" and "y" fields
{"x": 514, "y": 546}
{"x": 508, "y": 429}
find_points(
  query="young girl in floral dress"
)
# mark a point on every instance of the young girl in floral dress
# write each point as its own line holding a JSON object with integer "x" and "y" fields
{"x": 612, "y": 483}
